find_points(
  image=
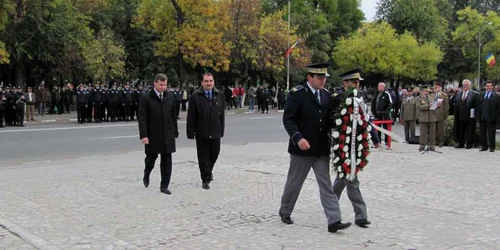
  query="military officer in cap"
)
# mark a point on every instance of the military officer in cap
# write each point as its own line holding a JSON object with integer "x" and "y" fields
{"x": 97, "y": 102}
{"x": 350, "y": 81}
{"x": 427, "y": 119}
{"x": 81, "y": 104}
{"x": 441, "y": 112}
{"x": 114, "y": 100}
{"x": 306, "y": 120}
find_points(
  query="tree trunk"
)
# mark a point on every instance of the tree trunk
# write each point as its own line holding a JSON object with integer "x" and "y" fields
{"x": 19, "y": 74}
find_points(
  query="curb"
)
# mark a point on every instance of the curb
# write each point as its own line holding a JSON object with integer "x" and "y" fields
{"x": 26, "y": 235}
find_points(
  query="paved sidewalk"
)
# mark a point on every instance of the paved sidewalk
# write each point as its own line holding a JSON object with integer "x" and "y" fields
{"x": 430, "y": 201}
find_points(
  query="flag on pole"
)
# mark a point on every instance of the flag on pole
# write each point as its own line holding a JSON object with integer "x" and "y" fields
{"x": 490, "y": 59}
{"x": 289, "y": 50}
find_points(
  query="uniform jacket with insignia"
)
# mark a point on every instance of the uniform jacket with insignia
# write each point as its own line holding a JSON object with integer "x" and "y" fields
{"x": 305, "y": 118}
{"x": 443, "y": 111}
{"x": 424, "y": 103}
{"x": 409, "y": 110}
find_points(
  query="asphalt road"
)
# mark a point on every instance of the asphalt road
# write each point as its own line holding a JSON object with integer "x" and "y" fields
{"x": 29, "y": 145}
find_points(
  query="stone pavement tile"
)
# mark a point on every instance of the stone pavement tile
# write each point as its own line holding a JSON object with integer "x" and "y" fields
{"x": 10, "y": 241}
{"x": 415, "y": 201}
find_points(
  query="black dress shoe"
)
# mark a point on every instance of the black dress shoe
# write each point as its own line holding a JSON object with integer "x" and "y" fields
{"x": 165, "y": 191}
{"x": 286, "y": 219}
{"x": 492, "y": 150}
{"x": 145, "y": 180}
{"x": 334, "y": 227}
{"x": 460, "y": 146}
{"x": 205, "y": 185}
{"x": 362, "y": 222}
{"x": 468, "y": 147}
{"x": 483, "y": 149}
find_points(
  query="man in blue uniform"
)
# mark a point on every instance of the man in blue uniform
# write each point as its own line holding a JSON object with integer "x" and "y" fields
{"x": 306, "y": 120}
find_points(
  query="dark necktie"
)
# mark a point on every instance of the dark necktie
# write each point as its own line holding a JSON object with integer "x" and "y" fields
{"x": 161, "y": 96}
{"x": 317, "y": 97}
{"x": 209, "y": 94}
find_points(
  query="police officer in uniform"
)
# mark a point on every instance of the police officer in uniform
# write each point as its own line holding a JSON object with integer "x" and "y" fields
{"x": 81, "y": 104}
{"x": 10, "y": 109}
{"x": 97, "y": 102}
{"x": 105, "y": 103}
{"x": 306, "y": 120}
{"x": 20, "y": 101}
{"x": 114, "y": 100}
{"x": 350, "y": 80}
{"x": 128, "y": 99}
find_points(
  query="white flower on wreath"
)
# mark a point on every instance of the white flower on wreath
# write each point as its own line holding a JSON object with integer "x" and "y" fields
{"x": 336, "y": 160}
{"x": 360, "y": 121}
{"x": 359, "y": 154}
{"x": 343, "y": 111}
{"x": 369, "y": 136}
{"x": 338, "y": 122}
{"x": 355, "y": 92}
{"x": 335, "y": 147}
{"x": 347, "y": 176}
{"x": 341, "y": 175}
{"x": 348, "y": 162}
{"x": 360, "y": 137}
{"x": 348, "y": 139}
{"x": 348, "y": 130}
{"x": 336, "y": 134}
{"x": 369, "y": 128}
{"x": 358, "y": 161}
{"x": 360, "y": 147}
{"x": 346, "y": 148}
{"x": 339, "y": 169}
{"x": 346, "y": 155}
{"x": 348, "y": 101}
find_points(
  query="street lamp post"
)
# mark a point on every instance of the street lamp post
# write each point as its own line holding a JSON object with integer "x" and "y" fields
{"x": 479, "y": 54}
{"x": 288, "y": 57}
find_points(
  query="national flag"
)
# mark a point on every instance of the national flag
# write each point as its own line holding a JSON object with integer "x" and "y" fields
{"x": 289, "y": 50}
{"x": 490, "y": 59}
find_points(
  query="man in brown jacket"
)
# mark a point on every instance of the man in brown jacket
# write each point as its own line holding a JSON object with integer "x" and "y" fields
{"x": 427, "y": 120}
{"x": 441, "y": 113}
{"x": 409, "y": 113}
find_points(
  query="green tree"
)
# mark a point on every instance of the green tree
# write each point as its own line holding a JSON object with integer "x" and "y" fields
{"x": 104, "y": 57}
{"x": 378, "y": 49}
{"x": 476, "y": 30}
{"x": 422, "y": 18}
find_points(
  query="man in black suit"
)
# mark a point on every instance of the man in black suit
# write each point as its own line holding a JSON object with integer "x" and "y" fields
{"x": 206, "y": 122}
{"x": 488, "y": 110}
{"x": 158, "y": 130}
{"x": 465, "y": 119}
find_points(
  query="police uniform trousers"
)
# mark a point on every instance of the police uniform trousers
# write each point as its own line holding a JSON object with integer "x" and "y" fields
{"x": 409, "y": 129}
{"x": 427, "y": 134}
{"x": 165, "y": 167}
{"x": 81, "y": 112}
{"x": 126, "y": 111}
{"x": 297, "y": 173}
{"x": 354, "y": 194}
{"x": 208, "y": 152}
{"x": 97, "y": 111}
{"x": 440, "y": 133}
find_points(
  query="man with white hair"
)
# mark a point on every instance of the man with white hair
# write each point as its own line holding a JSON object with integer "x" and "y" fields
{"x": 465, "y": 119}
{"x": 381, "y": 106}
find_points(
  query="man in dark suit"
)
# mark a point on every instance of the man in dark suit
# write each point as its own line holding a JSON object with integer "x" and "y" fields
{"x": 307, "y": 122}
{"x": 158, "y": 130}
{"x": 206, "y": 122}
{"x": 488, "y": 110}
{"x": 465, "y": 119}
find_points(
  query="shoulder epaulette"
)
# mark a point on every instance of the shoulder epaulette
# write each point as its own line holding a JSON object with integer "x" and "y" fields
{"x": 297, "y": 88}
{"x": 326, "y": 90}
{"x": 335, "y": 94}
